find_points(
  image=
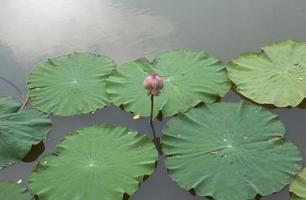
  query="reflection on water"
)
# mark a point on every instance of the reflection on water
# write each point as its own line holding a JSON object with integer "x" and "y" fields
{"x": 12, "y": 81}
{"x": 50, "y": 27}
{"x": 127, "y": 29}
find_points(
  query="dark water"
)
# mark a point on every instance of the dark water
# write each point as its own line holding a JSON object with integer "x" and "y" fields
{"x": 33, "y": 30}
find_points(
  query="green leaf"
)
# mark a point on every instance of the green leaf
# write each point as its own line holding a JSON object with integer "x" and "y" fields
{"x": 189, "y": 78}
{"x": 9, "y": 105}
{"x": 19, "y": 130}
{"x": 275, "y": 76}
{"x": 293, "y": 197}
{"x": 229, "y": 151}
{"x": 101, "y": 162}
{"x": 298, "y": 186}
{"x": 70, "y": 84}
{"x": 13, "y": 191}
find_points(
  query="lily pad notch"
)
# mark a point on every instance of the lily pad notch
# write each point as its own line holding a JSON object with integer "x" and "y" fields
{"x": 190, "y": 77}
{"x": 229, "y": 151}
{"x": 103, "y": 161}
{"x": 276, "y": 75}
{"x": 19, "y": 130}
{"x": 70, "y": 84}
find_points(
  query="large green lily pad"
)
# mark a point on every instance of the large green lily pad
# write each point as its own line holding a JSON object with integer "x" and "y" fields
{"x": 13, "y": 191}
{"x": 98, "y": 162}
{"x": 70, "y": 84}
{"x": 298, "y": 186}
{"x": 189, "y": 78}
{"x": 229, "y": 151}
{"x": 275, "y": 76}
{"x": 19, "y": 130}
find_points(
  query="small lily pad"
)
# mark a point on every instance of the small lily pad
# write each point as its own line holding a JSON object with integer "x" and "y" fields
{"x": 104, "y": 162}
{"x": 70, "y": 84}
{"x": 276, "y": 75}
{"x": 13, "y": 191}
{"x": 189, "y": 78}
{"x": 298, "y": 186}
{"x": 229, "y": 151}
{"x": 19, "y": 130}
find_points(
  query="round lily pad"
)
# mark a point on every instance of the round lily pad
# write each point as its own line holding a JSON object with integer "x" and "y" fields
{"x": 189, "y": 79}
{"x": 276, "y": 75}
{"x": 70, "y": 84}
{"x": 19, "y": 130}
{"x": 229, "y": 151}
{"x": 104, "y": 162}
{"x": 298, "y": 186}
{"x": 13, "y": 191}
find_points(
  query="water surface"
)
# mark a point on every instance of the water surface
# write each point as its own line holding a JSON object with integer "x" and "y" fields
{"x": 33, "y": 30}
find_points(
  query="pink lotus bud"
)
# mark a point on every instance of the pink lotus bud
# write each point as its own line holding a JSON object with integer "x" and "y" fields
{"x": 154, "y": 84}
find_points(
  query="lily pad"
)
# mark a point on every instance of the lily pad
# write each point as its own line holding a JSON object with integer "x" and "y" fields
{"x": 229, "y": 151}
{"x": 104, "y": 162}
{"x": 70, "y": 84}
{"x": 189, "y": 79}
{"x": 276, "y": 75}
{"x": 298, "y": 186}
{"x": 13, "y": 191}
{"x": 19, "y": 130}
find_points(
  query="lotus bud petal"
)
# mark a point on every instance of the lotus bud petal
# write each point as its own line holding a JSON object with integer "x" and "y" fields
{"x": 154, "y": 84}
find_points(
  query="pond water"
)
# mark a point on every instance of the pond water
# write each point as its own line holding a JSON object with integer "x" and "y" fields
{"x": 33, "y": 30}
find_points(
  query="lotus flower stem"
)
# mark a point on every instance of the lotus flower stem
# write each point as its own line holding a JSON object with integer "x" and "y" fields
{"x": 155, "y": 138}
{"x": 154, "y": 84}
{"x": 151, "y": 118}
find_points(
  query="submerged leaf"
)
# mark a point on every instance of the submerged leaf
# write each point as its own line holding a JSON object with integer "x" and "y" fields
{"x": 229, "y": 151}
{"x": 97, "y": 162}
{"x": 70, "y": 84}
{"x": 189, "y": 78}
{"x": 19, "y": 130}
{"x": 275, "y": 76}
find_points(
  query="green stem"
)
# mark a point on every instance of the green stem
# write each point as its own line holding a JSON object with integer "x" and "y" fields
{"x": 151, "y": 117}
{"x": 155, "y": 138}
